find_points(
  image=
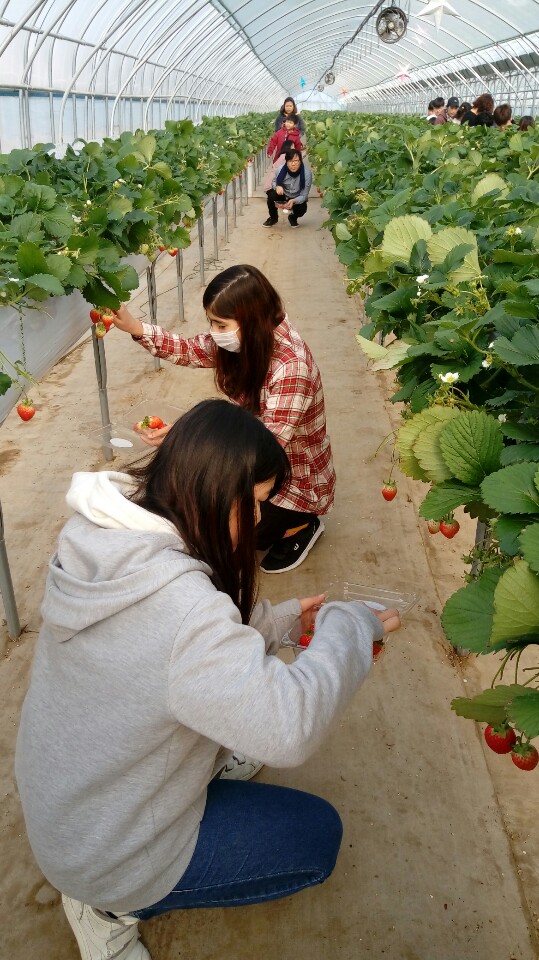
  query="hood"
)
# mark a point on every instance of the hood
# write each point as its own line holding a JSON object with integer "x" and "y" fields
{"x": 111, "y": 555}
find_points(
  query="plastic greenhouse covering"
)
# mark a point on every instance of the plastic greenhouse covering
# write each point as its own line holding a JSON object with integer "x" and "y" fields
{"x": 69, "y": 69}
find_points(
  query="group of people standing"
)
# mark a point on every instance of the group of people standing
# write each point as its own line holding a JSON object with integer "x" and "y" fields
{"x": 481, "y": 112}
{"x": 290, "y": 179}
{"x": 156, "y": 692}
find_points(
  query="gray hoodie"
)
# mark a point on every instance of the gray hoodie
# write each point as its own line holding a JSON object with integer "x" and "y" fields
{"x": 143, "y": 673}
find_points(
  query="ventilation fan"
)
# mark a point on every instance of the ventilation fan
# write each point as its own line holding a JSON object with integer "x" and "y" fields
{"x": 320, "y": 87}
{"x": 329, "y": 78}
{"x": 391, "y": 25}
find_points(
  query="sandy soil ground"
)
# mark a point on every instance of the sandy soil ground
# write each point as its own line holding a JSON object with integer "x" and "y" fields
{"x": 439, "y": 858}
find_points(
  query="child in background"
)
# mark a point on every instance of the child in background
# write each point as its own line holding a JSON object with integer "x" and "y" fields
{"x": 287, "y": 138}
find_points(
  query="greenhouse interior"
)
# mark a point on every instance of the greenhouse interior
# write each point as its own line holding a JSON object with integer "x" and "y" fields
{"x": 303, "y": 574}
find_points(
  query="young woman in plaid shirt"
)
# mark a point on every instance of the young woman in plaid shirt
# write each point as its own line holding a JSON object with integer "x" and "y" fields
{"x": 263, "y": 364}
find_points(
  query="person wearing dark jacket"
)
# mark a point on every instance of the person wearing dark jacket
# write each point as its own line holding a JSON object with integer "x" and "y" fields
{"x": 476, "y": 116}
{"x": 290, "y": 188}
{"x": 289, "y": 109}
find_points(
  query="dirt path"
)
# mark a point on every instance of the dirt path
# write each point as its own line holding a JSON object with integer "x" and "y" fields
{"x": 428, "y": 869}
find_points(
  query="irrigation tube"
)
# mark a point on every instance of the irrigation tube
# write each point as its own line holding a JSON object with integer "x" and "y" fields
{"x": 152, "y": 303}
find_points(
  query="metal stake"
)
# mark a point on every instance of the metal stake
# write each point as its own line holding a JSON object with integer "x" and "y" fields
{"x": 241, "y": 194}
{"x": 234, "y": 214}
{"x": 6, "y": 588}
{"x": 225, "y": 204}
{"x": 201, "y": 248}
{"x": 101, "y": 375}
{"x": 246, "y": 179}
{"x": 179, "y": 281}
{"x": 214, "y": 218}
{"x": 152, "y": 303}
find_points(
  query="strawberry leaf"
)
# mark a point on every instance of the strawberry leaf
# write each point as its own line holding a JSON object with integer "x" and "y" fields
{"x": 445, "y": 497}
{"x": 516, "y": 604}
{"x": 468, "y": 614}
{"x": 523, "y": 711}
{"x": 512, "y": 489}
{"x": 529, "y": 541}
{"x": 471, "y": 446}
{"x": 490, "y": 706}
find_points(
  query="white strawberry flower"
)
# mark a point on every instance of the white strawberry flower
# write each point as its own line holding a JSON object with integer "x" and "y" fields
{"x": 76, "y": 219}
{"x": 88, "y": 203}
{"x": 486, "y": 363}
{"x": 13, "y": 280}
{"x": 502, "y": 417}
{"x": 491, "y": 344}
{"x": 448, "y": 377}
{"x": 518, "y": 231}
{"x": 423, "y": 278}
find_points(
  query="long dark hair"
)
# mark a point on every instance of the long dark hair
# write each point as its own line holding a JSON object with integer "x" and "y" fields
{"x": 210, "y": 461}
{"x": 242, "y": 293}
{"x": 526, "y": 123}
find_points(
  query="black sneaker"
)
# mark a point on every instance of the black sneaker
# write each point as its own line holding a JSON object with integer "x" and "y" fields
{"x": 288, "y": 553}
{"x": 292, "y": 220}
{"x": 270, "y": 222}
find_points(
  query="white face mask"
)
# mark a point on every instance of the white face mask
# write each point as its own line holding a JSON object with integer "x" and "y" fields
{"x": 227, "y": 340}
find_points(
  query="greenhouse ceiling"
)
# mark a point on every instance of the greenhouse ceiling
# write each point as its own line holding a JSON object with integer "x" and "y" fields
{"x": 118, "y": 63}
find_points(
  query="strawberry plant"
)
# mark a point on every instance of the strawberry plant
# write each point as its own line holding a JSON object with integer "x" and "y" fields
{"x": 438, "y": 229}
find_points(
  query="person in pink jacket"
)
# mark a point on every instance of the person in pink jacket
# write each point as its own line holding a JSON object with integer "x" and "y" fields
{"x": 287, "y": 138}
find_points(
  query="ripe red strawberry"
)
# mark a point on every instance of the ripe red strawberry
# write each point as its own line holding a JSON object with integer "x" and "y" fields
{"x": 26, "y": 409}
{"x": 149, "y": 423}
{"x": 525, "y": 757}
{"x": 433, "y": 526}
{"x": 162, "y": 247}
{"x": 500, "y": 739}
{"x": 449, "y": 528}
{"x": 95, "y": 315}
{"x": 172, "y": 250}
{"x": 377, "y": 648}
{"x": 107, "y": 319}
{"x": 305, "y": 638}
{"x": 100, "y": 330}
{"x": 389, "y": 490}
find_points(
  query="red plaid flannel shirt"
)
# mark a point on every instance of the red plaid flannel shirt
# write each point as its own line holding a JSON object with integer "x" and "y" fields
{"x": 291, "y": 406}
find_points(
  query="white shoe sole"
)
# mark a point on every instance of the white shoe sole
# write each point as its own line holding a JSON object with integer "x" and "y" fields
{"x": 305, "y": 554}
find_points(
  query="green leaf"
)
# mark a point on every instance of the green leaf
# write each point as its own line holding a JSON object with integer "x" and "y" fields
{"x": 119, "y": 206}
{"x": 490, "y": 706}
{"x": 400, "y": 236}
{"x": 507, "y": 531}
{"x": 410, "y": 432}
{"x": 446, "y": 497}
{"x": 396, "y": 353}
{"x": 46, "y": 282}
{"x": 471, "y": 446}
{"x": 521, "y": 431}
{"x": 58, "y": 222}
{"x": 5, "y": 383}
{"x": 147, "y": 147}
{"x": 429, "y": 455}
{"x": 519, "y": 452}
{"x": 372, "y": 350}
{"x": 521, "y": 350}
{"x": 58, "y": 266}
{"x": 162, "y": 169}
{"x": 467, "y": 615}
{"x": 529, "y": 541}
{"x": 489, "y": 183}
{"x": 516, "y": 604}
{"x": 31, "y": 260}
{"x": 441, "y": 244}
{"x": 398, "y": 300}
{"x": 512, "y": 489}
{"x": 523, "y": 711}
{"x": 342, "y": 232}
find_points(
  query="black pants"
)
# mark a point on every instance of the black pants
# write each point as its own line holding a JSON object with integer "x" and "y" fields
{"x": 298, "y": 210}
{"x": 275, "y": 521}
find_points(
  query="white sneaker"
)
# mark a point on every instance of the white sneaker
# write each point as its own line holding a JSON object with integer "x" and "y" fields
{"x": 100, "y": 937}
{"x": 240, "y": 767}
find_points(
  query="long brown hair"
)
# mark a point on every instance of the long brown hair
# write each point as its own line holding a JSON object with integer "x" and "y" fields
{"x": 208, "y": 462}
{"x": 242, "y": 293}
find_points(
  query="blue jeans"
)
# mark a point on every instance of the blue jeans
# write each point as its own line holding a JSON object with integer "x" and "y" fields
{"x": 256, "y": 842}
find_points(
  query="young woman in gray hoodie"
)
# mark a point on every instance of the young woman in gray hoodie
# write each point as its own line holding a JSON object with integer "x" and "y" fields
{"x": 152, "y": 664}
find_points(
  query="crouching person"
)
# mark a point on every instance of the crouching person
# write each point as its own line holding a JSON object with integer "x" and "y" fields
{"x": 290, "y": 189}
{"x": 153, "y": 664}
